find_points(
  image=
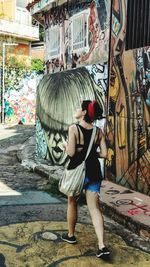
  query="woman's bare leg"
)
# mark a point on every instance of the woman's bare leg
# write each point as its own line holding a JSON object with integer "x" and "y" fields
{"x": 92, "y": 199}
{"x": 71, "y": 215}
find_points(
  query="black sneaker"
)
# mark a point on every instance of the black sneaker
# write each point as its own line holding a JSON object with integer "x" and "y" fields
{"x": 70, "y": 240}
{"x": 103, "y": 253}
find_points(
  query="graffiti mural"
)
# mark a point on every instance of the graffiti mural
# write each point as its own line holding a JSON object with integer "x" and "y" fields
{"x": 77, "y": 54}
{"x": 99, "y": 73}
{"x": 41, "y": 146}
{"x": 58, "y": 96}
{"x": 20, "y": 96}
{"x": 128, "y": 202}
{"x": 77, "y": 41}
{"x": 128, "y": 124}
{"x": 77, "y": 34}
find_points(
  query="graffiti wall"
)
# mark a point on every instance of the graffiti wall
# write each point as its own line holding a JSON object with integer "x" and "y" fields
{"x": 20, "y": 96}
{"x": 128, "y": 124}
{"x": 77, "y": 45}
{"x": 58, "y": 96}
{"x": 77, "y": 63}
{"x": 77, "y": 34}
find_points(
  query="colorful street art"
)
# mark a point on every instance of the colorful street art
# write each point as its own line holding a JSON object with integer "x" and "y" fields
{"x": 77, "y": 34}
{"x": 79, "y": 74}
{"x": 128, "y": 124}
{"x": 20, "y": 96}
{"x": 58, "y": 96}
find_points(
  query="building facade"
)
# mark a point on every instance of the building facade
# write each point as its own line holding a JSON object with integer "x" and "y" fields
{"x": 95, "y": 50}
{"x": 17, "y": 83}
{"x": 16, "y": 27}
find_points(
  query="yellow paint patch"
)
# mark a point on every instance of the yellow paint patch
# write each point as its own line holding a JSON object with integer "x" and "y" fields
{"x": 22, "y": 246}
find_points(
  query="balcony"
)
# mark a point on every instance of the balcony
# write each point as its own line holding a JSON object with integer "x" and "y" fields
{"x": 21, "y": 27}
{"x": 43, "y": 5}
{"x": 16, "y": 29}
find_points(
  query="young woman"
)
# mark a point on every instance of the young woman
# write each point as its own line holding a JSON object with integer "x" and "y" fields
{"x": 78, "y": 141}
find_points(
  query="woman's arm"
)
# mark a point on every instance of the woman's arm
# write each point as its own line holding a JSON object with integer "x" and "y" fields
{"x": 71, "y": 145}
{"x": 103, "y": 147}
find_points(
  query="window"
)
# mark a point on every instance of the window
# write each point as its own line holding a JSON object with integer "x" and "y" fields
{"x": 22, "y": 15}
{"x": 21, "y": 3}
{"x": 79, "y": 32}
{"x": 138, "y": 24}
{"x": 53, "y": 42}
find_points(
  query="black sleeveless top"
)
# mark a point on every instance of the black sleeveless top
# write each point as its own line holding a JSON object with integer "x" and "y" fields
{"x": 93, "y": 169}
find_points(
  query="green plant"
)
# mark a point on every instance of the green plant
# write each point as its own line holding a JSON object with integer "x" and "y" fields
{"x": 41, "y": 33}
{"x": 13, "y": 62}
{"x": 37, "y": 64}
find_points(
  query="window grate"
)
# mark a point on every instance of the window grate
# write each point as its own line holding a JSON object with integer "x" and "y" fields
{"x": 138, "y": 24}
{"x": 79, "y": 32}
{"x": 53, "y": 42}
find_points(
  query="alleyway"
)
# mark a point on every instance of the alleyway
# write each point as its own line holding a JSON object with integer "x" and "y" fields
{"x": 13, "y": 174}
{"x": 31, "y": 220}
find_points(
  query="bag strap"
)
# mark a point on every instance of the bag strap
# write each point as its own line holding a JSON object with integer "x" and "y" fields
{"x": 91, "y": 142}
{"x": 78, "y": 132}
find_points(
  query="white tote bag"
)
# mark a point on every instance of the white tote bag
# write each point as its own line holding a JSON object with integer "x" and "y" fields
{"x": 71, "y": 182}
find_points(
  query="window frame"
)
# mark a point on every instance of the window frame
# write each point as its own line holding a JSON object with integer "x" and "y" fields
{"x": 85, "y": 15}
{"x": 49, "y": 51}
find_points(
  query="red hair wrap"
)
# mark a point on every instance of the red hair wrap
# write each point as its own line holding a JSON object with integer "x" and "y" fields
{"x": 91, "y": 110}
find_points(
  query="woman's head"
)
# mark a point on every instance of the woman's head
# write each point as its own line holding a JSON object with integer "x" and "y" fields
{"x": 90, "y": 111}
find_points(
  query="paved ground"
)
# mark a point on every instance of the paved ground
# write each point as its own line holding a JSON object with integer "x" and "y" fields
{"x": 32, "y": 220}
{"x": 38, "y": 244}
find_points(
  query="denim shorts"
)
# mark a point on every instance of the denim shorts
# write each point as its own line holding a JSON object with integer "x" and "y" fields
{"x": 94, "y": 187}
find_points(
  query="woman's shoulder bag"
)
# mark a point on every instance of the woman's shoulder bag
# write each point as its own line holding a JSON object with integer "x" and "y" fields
{"x": 71, "y": 182}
